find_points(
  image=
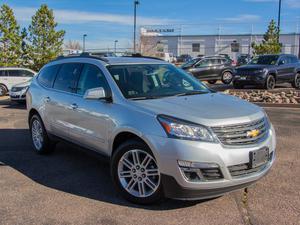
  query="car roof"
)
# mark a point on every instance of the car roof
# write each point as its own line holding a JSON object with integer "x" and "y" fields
{"x": 112, "y": 60}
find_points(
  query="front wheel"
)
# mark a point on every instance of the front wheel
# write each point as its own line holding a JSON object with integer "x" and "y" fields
{"x": 135, "y": 173}
{"x": 270, "y": 82}
{"x": 296, "y": 82}
{"x": 3, "y": 90}
{"x": 227, "y": 77}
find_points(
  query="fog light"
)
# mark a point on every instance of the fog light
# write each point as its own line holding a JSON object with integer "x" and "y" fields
{"x": 198, "y": 171}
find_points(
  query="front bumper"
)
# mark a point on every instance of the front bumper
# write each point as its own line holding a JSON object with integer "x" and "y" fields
{"x": 168, "y": 151}
{"x": 17, "y": 96}
{"x": 255, "y": 79}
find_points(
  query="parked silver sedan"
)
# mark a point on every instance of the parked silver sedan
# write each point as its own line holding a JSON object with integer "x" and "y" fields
{"x": 166, "y": 134}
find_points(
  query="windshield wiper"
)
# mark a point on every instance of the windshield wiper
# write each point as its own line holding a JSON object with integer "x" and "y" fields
{"x": 144, "y": 97}
{"x": 192, "y": 93}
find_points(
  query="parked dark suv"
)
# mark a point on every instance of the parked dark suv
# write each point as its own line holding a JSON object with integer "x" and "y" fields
{"x": 267, "y": 70}
{"x": 211, "y": 69}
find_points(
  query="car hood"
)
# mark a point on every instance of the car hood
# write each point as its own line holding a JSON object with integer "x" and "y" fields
{"x": 213, "y": 109}
{"x": 23, "y": 84}
{"x": 253, "y": 67}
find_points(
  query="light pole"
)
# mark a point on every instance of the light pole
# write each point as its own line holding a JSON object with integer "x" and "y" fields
{"x": 116, "y": 46}
{"x": 136, "y": 2}
{"x": 83, "y": 42}
{"x": 279, "y": 15}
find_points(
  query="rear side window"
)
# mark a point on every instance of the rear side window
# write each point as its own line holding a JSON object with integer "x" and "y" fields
{"x": 294, "y": 59}
{"x": 47, "y": 75}
{"x": 2, "y": 73}
{"x": 67, "y": 77}
{"x": 91, "y": 77}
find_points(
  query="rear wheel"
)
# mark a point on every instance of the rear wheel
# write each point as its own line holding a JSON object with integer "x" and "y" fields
{"x": 296, "y": 82}
{"x": 270, "y": 82}
{"x": 3, "y": 90}
{"x": 212, "y": 81}
{"x": 40, "y": 140}
{"x": 135, "y": 173}
{"x": 227, "y": 77}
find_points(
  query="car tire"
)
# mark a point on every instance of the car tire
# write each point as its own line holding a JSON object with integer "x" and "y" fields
{"x": 40, "y": 140}
{"x": 227, "y": 77}
{"x": 212, "y": 81}
{"x": 135, "y": 173}
{"x": 238, "y": 86}
{"x": 3, "y": 90}
{"x": 296, "y": 82}
{"x": 270, "y": 82}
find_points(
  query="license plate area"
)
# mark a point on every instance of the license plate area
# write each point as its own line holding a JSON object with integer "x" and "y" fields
{"x": 259, "y": 157}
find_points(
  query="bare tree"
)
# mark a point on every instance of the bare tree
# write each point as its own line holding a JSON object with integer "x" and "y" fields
{"x": 75, "y": 45}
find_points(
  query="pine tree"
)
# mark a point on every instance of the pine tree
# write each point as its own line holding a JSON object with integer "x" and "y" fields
{"x": 26, "y": 62}
{"x": 10, "y": 38}
{"x": 270, "y": 44}
{"x": 45, "y": 42}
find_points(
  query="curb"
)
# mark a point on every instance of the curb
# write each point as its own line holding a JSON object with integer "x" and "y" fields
{"x": 277, "y": 105}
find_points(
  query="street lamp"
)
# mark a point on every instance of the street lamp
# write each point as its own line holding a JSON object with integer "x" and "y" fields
{"x": 136, "y": 2}
{"x": 83, "y": 42}
{"x": 279, "y": 15}
{"x": 116, "y": 46}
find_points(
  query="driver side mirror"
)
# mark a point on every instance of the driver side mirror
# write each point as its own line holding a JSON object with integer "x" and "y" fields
{"x": 96, "y": 94}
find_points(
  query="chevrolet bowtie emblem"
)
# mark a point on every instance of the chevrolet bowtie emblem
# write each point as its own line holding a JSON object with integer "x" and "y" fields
{"x": 253, "y": 133}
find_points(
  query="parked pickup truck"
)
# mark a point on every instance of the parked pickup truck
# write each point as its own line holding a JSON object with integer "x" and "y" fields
{"x": 267, "y": 70}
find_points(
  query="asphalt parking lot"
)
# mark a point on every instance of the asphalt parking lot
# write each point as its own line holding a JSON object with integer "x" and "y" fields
{"x": 72, "y": 186}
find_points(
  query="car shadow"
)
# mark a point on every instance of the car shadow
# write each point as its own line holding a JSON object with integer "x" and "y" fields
{"x": 69, "y": 169}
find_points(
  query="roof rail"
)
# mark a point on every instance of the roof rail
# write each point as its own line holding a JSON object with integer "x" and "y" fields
{"x": 82, "y": 55}
{"x": 139, "y": 55}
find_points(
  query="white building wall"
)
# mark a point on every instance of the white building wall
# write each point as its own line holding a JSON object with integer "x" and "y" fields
{"x": 214, "y": 44}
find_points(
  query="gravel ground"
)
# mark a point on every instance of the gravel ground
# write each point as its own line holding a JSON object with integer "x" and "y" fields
{"x": 73, "y": 186}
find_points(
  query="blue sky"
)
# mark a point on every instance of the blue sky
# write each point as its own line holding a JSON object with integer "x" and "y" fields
{"x": 107, "y": 20}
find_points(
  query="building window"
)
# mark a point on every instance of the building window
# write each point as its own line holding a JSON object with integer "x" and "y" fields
{"x": 195, "y": 47}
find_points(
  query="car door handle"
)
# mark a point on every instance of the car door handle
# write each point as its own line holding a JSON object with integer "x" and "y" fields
{"x": 73, "y": 106}
{"x": 47, "y": 99}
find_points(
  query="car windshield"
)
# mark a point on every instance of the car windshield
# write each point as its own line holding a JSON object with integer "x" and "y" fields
{"x": 145, "y": 81}
{"x": 190, "y": 63}
{"x": 264, "y": 60}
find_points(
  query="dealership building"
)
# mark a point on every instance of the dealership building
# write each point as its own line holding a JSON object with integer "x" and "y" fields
{"x": 155, "y": 42}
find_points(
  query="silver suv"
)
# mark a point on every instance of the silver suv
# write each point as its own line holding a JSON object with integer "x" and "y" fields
{"x": 166, "y": 133}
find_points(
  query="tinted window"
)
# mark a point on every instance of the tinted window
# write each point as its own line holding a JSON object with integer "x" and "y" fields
{"x": 47, "y": 75}
{"x": 91, "y": 77}
{"x": 293, "y": 59}
{"x": 264, "y": 60}
{"x": 66, "y": 79}
{"x": 204, "y": 63}
{"x": 2, "y": 73}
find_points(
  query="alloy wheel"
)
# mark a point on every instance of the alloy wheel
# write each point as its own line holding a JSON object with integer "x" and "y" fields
{"x": 227, "y": 77}
{"x": 297, "y": 81}
{"x": 271, "y": 83}
{"x": 37, "y": 134}
{"x": 138, "y": 173}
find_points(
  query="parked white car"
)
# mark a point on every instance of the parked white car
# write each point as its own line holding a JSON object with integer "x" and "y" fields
{"x": 10, "y": 76}
{"x": 18, "y": 92}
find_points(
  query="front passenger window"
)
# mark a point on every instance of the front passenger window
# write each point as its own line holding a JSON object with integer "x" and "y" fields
{"x": 91, "y": 77}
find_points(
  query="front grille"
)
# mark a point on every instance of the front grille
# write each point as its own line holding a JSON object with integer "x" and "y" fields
{"x": 240, "y": 134}
{"x": 245, "y": 72}
{"x": 245, "y": 169}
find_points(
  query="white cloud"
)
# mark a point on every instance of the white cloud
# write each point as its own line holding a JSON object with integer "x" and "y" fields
{"x": 81, "y": 17}
{"x": 241, "y": 18}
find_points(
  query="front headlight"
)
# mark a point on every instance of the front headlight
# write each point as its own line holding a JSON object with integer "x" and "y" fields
{"x": 25, "y": 89}
{"x": 176, "y": 128}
